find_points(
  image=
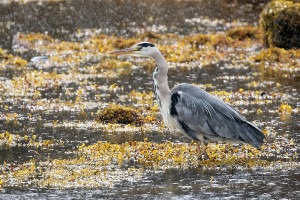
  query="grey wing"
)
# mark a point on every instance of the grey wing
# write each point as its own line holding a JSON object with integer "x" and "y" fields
{"x": 199, "y": 112}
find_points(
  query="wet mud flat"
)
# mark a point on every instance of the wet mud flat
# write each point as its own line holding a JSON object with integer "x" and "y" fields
{"x": 77, "y": 123}
{"x": 61, "y": 18}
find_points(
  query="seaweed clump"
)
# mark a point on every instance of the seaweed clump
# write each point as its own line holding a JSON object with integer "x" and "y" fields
{"x": 280, "y": 21}
{"x": 120, "y": 115}
{"x": 243, "y": 33}
{"x": 278, "y": 56}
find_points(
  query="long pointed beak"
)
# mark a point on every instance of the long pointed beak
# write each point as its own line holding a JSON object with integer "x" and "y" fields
{"x": 120, "y": 52}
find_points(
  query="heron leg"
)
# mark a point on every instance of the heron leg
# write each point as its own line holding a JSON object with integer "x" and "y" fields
{"x": 199, "y": 152}
{"x": 202, "y": 154}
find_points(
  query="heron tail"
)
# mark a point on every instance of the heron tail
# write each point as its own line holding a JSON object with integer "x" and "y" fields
{"x": 251, "y": 134}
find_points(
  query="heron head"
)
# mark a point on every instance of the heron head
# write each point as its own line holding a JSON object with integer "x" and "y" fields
{"x": 141, "y": 49}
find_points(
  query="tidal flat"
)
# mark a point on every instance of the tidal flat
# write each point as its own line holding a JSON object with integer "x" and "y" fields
{"x": 78, "y": 123}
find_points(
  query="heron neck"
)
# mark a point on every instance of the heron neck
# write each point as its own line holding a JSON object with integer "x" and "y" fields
{"x": 160, "y": 79}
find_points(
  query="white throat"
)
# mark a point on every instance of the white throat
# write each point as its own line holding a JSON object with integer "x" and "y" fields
{"x": 162, "y": 90}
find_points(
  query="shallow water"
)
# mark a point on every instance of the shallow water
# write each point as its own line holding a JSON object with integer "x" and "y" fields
{"x": 171, "y": 183}
{"x": 184, "y": 184}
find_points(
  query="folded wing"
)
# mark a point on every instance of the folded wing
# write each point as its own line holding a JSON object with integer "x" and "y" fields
{"x": 199, "y": 112}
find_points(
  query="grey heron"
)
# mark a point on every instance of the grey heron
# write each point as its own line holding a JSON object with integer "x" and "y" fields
{"x": 194, "y": 112}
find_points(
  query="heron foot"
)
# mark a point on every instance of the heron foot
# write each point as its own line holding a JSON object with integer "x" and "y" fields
{"x": 203, "y": 156}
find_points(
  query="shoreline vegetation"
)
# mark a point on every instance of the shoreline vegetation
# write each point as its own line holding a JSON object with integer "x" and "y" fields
{"x": 77, "y": 62}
